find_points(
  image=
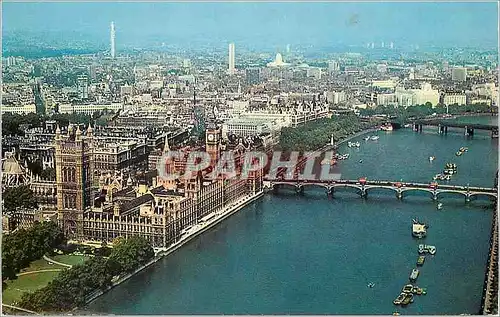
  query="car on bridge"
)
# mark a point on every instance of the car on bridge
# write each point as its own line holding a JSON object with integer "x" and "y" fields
{"x": 398, "y": 184}
{"x": 362, "y": 180}
{"x": 433, "y": 185}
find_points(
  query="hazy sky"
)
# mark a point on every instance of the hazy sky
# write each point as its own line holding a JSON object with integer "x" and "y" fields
{"x": 462, "y": 24}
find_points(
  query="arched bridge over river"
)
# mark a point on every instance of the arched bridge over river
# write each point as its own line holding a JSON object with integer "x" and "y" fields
{"x": 399, "y": 188}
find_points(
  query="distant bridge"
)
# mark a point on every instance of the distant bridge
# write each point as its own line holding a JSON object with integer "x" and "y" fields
{"x": 443, "y": 126}
{"x": 399, "y": 188}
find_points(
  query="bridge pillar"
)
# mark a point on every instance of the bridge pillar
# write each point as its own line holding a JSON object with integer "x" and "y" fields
{"x": 419, "y": 128}
{"x": 467, "y": 198}
{"x": 494, "y": 133}
{"x": 446, "y": 130}
{"x": 469, "y": 131}
{"x": 440, "y": 129}
{"x": 399, "y": 194}
{"x": 299, "y": 189}
{"x": 363, "y": 192}
{"x": 434, "y": 196}
{"x": 329, "y": 191}
{"x": 415, "y": 127}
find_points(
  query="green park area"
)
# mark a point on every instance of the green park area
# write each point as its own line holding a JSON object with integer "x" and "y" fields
{"x": 36, "y": 276}
{"x": 14, "y": 289}
{"x": 70, "y": 259}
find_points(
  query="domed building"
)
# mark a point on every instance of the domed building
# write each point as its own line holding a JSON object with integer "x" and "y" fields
{"x": 278, "y": 62}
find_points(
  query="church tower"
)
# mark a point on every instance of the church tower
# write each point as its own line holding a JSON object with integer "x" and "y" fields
{"x": 166, "y": 168}
{"x": 74, "y": 172}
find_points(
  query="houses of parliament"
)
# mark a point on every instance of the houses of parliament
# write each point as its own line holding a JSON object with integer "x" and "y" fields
{"x": 158, "y": 209}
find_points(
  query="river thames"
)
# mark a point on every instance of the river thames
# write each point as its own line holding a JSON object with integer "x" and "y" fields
{"x": 295, "y": 254}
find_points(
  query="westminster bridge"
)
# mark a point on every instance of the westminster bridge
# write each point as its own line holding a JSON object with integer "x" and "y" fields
{"x": 363, "y": 187}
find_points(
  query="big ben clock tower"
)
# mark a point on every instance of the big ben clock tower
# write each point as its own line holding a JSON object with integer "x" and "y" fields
{"x": 212, "y": 143}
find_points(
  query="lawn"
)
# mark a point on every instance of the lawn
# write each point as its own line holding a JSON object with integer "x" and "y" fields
{"x": 25, "y": 283}
{"x": 70, "y": 259}
{"x": 41, "y": 265}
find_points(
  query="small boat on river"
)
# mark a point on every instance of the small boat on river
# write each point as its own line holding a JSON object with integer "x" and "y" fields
{"x": 408, "y": 299}
{"x": 387, "y": 127}
{"x": 407, "y": 288}
{"x": 414, "y": 275}
{"x": 419, "y": 229}
{"x": 424, "y": 248}
{"x": 374, "y": 137}
{"x": 400, "y": 299}
{"x": 421, "y": 260}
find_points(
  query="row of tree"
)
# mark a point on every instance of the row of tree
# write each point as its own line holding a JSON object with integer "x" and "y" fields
{"x": 23, "y": 246}
{"x": 72, "y": 287}
{"x": 316, "y": 134}
{"x": 419, "y": 111}
{"x": 12, "y": 123}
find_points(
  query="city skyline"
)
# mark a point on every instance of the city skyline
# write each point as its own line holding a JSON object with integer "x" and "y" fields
{"x": 261, "y": 24}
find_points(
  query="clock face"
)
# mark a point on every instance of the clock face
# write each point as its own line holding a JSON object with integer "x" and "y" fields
{"x": 210, "y": 137}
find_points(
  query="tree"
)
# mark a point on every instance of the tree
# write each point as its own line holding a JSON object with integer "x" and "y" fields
{"x": 131, "y": 253}
{"x": 22, "y": 247}
{"x": 72, "y": 287}
{"x": 18, "y": 197}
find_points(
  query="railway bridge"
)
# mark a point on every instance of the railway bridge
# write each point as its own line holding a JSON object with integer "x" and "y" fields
{"x": 363, "y": 187}
{"x": 443, "y": 126}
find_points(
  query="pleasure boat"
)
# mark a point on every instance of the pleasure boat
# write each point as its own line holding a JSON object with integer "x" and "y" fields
{"x": 419, "y": 230}
{"x": 414, "y": 275}
{"x": 422, "y": 249}
{"x": 440, "y": 206}
{"x": 387, "y": 127}
{"x": 374, "y": 137}
{"x": 421, "y": 260}
{"x": 408, "y": 299}
{"x": 407, "y": 288}
{"x": 399, "y": 299}
{"x": 431, "y": 249}
{"x": 431, "y": 158}
{"x": 367, "y": 138}
{"x": 438, "y": 177}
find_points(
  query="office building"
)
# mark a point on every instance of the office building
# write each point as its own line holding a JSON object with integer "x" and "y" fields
{"x": 231, "y": 59}
{"x": 112, "y": 39}
{"x": 451, "y": 99}
{"x": 82, "y": 87}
